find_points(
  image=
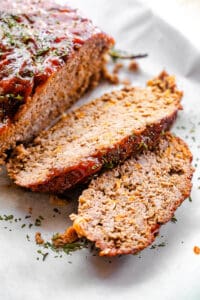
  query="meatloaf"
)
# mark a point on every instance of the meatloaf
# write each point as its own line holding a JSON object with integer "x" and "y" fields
{"x": 99, "y": 134}
{"x": 122, "y": 210}
{"x": 49, "y": 56}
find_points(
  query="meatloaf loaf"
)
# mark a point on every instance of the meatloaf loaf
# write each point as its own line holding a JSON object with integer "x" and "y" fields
{"x": 122, "y": 210}
{"x": 49, "y": 56}
{"x": 99, "y": 134}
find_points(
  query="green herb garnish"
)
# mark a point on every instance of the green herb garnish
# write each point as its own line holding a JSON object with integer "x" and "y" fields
{"x": 143, "y": 145}
{"x": 119, "y": 54}
{"x": 6, "y": 218}
{"x": 109, "y": 165}
{"x": 162, "y": 244}
{"x": 27, "y": 217}
{"x": 37, "y": 222}
{"x": 44, "y": 255}
{"x": 159, "y": 245}
{"x": 67, "y": 248}
{"x": 95, "y": 167}
{"x": 42, "y": 51}
{"x": 174, "y": 219}
{"x": 153, "y": 247}
{"x": 12, "y": 96}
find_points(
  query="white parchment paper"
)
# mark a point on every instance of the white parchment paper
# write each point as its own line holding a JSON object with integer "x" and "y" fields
{"x": 170, "y": 272}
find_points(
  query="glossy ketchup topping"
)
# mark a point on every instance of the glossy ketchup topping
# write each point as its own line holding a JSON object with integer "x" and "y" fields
{"x": 35, "y": 41}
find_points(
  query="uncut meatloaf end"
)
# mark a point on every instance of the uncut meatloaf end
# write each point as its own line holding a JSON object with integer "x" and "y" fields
{"x": 50, "y": 55}
{"x": 123, "y": 209}
{"x": 99, "y": 134}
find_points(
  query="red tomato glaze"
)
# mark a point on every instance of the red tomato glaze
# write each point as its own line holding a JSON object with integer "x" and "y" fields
{"x": 36, "y": 39}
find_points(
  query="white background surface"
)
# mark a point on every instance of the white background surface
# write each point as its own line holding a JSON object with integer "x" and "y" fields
{"x": 169, "y": 273}
{"x": 182, "y": 14}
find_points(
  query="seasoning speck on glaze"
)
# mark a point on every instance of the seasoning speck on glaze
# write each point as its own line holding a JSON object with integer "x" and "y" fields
{"x": 36, "y": 39}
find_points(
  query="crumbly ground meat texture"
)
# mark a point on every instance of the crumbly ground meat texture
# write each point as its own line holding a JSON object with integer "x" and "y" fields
{"x": 68, "y": 237}
{"x": 99, "y": 134}
{"x": 122, "y": 210}
{"x": 50, "y": 55}
{"x": 38, "y": 238}
{"x": 133, "y": 66}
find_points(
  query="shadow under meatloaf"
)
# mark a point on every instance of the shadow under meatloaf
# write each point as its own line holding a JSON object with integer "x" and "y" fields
{"x": 50, "y": 55}
{"x": 100, "y": 134}
{"x": 122, "y": 210}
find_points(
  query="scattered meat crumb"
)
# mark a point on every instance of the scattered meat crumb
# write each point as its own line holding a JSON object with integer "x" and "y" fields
{"x": 69, "y": 236}
{"x": 133, "y": 66}
{"x": 111, "y": 77}
{"x": 196, "y": 250}
{"x": 38, "y": 238}
{"x": 126, "y": 82}
{"x": 117, "y": 67}
{"x": 55, "y": 200}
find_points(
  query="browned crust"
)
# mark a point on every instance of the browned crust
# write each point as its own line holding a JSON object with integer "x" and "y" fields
{"x": 80, "y": 224}
{"x": 60, "y": 180}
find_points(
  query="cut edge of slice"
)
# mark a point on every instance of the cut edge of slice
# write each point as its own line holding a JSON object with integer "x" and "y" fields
{"x": 97, "y": 222}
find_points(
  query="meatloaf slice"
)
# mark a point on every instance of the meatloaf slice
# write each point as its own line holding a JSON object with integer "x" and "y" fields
{"x": 49, "y": 56}
{"x": 101, "y": 133}
{"x": 122, "y": 210}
